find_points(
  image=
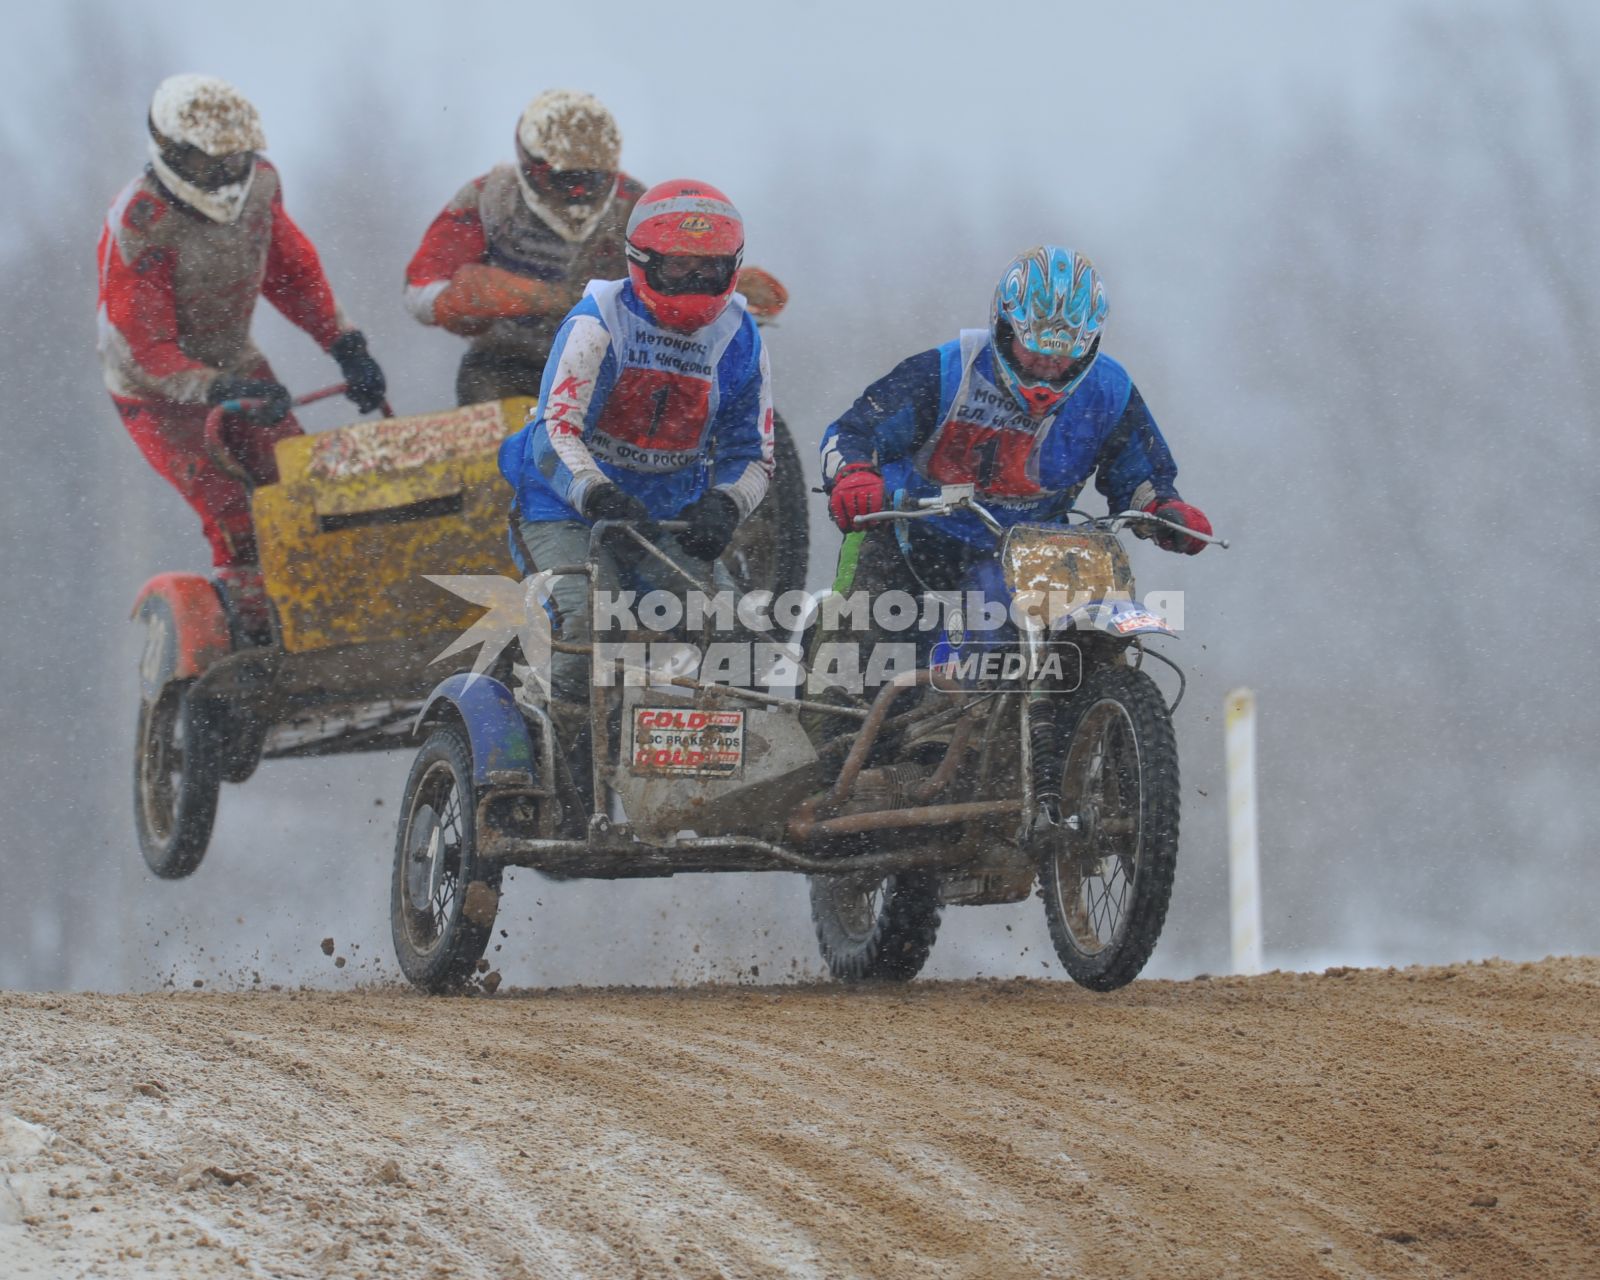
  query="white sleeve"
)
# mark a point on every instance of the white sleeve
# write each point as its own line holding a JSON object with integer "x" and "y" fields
{"x": 420, "y": 299}
{"x": 750, "y": 485}
{"x": 565, "y": 407}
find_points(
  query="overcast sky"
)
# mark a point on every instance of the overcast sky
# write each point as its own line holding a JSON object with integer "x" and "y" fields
{"x": 1083, "y": 93}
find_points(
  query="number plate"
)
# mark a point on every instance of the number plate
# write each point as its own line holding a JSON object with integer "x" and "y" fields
{"x": 683, "y": 742}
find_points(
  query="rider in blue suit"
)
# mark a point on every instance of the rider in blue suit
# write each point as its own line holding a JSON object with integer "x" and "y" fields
{"x": 1027, "y": 411}
{"x": 656, "y": 404}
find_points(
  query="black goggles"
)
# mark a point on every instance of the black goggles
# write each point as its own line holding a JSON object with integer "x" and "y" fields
{"x": 679, "y": 273}
{"x": 208, "y": 172}
{"x": 567, "y": 185}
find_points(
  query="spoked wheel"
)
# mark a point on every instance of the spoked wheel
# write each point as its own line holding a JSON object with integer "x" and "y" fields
{"x": 442, "y": 900}
{"x": 771, "y": 549}
{"x": 176, "y": 777}
{"x": 875, "y": 927}
{"x": 1106, "y": 872}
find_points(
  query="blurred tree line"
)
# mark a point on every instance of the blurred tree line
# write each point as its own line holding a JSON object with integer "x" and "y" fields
{"x": 1418, "y": 319}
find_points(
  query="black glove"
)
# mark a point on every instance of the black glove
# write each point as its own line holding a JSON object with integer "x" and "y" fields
{"x": 232, "y": 387}
{"x": 712, "y": 518}
{"x": 607, "y": 502}
{"x": 363, "y": 380}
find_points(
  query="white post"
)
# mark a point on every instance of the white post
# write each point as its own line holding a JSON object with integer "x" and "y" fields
{"x": 1244, "y": 856}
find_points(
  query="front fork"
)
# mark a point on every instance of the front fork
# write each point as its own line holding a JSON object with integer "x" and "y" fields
{"x": 1046, "y": 754}
{"x": 1041, "y": 747}
{"x": 1044, "y": 723}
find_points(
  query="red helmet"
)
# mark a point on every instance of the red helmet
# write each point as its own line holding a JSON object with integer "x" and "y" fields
{"x": 685, "y": 243}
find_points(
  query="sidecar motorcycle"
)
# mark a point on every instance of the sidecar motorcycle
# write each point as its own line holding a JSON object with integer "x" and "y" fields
{"x": 339, "y": 652}
{"x": 958, "y": 785}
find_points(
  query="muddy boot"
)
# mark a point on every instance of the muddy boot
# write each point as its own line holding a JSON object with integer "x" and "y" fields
{"x": 244, "y": 600}
{"x": 574, "y": 756}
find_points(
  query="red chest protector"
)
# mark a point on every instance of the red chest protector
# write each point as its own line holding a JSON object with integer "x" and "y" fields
{"x": 656, "y": 414}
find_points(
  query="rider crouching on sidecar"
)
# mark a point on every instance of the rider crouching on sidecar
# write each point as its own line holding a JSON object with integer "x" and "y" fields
{"x": 656, "y": 404}
{"x": 1026, "y": 411}
{"x": 186, "y": 249}
{"x": 508, "y": 258}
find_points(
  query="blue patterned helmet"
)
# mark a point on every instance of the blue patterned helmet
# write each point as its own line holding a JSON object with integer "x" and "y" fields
{"x": 1051, "y": 300}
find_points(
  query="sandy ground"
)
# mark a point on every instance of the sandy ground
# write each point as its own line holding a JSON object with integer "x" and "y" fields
{"x": 1412, "y": 1122}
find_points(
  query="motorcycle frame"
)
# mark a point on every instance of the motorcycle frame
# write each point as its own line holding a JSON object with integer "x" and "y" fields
{"x": 611, "y": 851}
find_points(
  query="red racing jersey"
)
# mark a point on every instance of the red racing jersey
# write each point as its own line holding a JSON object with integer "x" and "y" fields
{"x": 489, "y": 222}
{"x": 177, "y": 290}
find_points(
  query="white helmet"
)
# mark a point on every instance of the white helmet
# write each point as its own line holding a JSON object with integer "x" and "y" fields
{"x": 204, "y": 135}
{"x": 568, "y": 152}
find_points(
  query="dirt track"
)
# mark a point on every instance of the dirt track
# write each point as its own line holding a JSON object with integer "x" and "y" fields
{"x": 1423, "y": 1122}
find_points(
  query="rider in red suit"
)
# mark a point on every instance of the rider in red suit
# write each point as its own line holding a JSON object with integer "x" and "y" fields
{"x": 510, "y": 255}
{"x": 186, "y": 249}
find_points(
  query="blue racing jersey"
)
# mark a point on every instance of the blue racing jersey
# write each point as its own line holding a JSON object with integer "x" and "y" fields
{"x": 940, "y": 417}
{"x": 663, "y": 415}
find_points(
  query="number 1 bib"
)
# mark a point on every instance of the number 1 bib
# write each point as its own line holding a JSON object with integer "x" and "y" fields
{"x": 986, "y": 439}
{"x": 665, "y": 396}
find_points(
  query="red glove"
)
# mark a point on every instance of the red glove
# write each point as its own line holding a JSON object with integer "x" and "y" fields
{"x": 857, "y": 491}
{"x": 1176, "y": 509}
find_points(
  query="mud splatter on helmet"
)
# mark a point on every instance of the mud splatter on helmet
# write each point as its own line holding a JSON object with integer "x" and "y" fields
{"x": 1052, "y": 301}
{"x": 568, "y": 152}
{"x": 204, "y": 135}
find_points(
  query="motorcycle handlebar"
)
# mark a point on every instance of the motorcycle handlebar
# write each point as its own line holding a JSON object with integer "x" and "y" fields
{"x": 309, "y": 397}
{"x": 218, "y": 449}
{"x": 1129, "y": 516}
{"x": 599, "y": 529}
{"x": 665, "y": 526}
{"x": 928, "y": 507}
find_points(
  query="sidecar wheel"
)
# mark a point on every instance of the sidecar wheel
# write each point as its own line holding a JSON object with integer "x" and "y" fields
{"x": 1106, "y": 874}
{"x": 176, "y": 778}
{"x": 875, "y": 927}
{"x": 442, "y": 899}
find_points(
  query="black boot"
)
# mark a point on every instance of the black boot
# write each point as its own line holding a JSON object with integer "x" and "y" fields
{"x": 244, "y": 600}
